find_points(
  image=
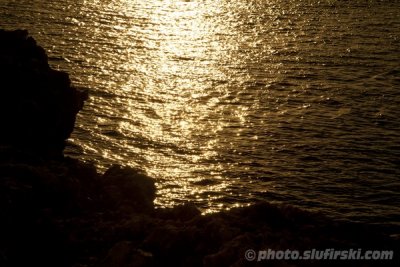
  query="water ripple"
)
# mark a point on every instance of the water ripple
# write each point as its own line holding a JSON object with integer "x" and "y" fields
{"x": 229, "y": 102}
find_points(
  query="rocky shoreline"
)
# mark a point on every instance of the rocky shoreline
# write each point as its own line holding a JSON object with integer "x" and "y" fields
{"x": 59, "y": 211}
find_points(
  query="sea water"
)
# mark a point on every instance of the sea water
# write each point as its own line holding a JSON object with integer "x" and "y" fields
{"x": 226, "y": 103}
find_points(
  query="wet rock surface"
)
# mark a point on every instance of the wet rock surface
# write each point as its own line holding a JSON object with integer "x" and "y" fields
{"x": 58, "y": 211}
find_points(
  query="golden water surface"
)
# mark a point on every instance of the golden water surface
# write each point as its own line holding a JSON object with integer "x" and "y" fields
{"x": 230, "y": 102}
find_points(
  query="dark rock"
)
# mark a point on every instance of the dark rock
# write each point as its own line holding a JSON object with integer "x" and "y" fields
{"x": 38, "y": 106}
{"x": 228, "y": 253}
{"x": 129, "y": 189}
{"x": 184, "y": 212}
{"x": 57, "y": 211}
{"x": 124, "y": 254}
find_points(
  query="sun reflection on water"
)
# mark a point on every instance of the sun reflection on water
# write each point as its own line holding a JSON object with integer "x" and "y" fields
{"x": 228, "y": 102}
{"x": 175, "y": 112}
{"x": 179, "y": 77}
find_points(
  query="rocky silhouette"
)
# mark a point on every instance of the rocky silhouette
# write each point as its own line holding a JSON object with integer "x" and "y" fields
{"x": 38, "y": 105}
{"x": 59, "y": 211}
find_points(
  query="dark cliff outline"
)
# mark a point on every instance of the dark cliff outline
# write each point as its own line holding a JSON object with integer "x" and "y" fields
{"x": 59, "y": 211}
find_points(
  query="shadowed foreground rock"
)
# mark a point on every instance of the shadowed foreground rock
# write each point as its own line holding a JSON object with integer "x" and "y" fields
{"x": 37, "y": 104}
{"x": 57, "y": 211}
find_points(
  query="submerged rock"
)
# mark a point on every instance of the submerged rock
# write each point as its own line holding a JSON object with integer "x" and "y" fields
{"x": 38, "y": 106}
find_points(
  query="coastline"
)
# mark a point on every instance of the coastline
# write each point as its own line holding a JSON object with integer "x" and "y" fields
{"x": 58, "y": 211}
